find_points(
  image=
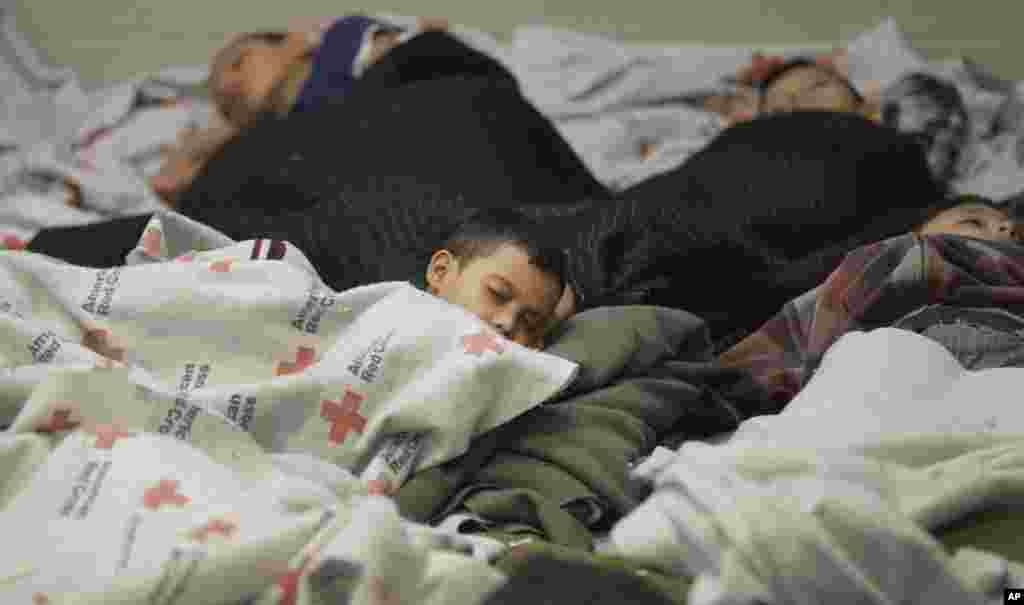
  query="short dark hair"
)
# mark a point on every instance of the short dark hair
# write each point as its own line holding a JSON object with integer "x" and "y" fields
{"x": 773, "y": 76}
{"x": 482, "y": 232}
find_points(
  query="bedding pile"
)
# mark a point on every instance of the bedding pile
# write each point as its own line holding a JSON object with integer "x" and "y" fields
{"x": 209, "y": 386}
{"x": 229, "y": 416}
{"x": 175, "y": 396}
{"x": 625, "y": 113}
{"x": 75, "y": 154}
{"x": 890, "y": 439}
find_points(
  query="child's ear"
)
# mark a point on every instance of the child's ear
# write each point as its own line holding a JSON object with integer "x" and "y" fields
{"x": 442, "y": 264}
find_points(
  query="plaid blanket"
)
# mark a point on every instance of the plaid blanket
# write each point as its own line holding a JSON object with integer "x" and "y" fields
{"x": 931, "y": 285}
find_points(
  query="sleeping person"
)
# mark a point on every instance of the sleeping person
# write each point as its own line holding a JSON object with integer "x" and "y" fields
{"x": 771, "y": 84}
{"x": 926, "y": 107}
{"x": 957, "y": 279}
{"x": 803, "y": 85}
{"x": 274, "y": 73}
{"x": 498, "y": 267}
{"x": 497, "y": 263}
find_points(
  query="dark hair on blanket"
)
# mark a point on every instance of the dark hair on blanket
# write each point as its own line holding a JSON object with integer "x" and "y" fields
{"x": 482, "y": 232}
{"x": 773, "y": 76}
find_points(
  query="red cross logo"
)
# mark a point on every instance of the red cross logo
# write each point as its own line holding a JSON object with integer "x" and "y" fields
{"x": 214, "y": 526}
{"x": 11, "y": 242}
{"x": 304, "y": 357}
{"x": 343, "y": 415}
{"x": 185, "y": 258}
{"x": 221, "y": 266}
{"x": 289, "y": 583}
{"x": 151, "y": 242}
{"x": 476, "y": 344}
{"x": 379, "y": 487}
{"x": 165, "y": 492}
{"x": 99, "y": 340}
{"x": 107, "y": 435}
{"x": 60, "y": 420}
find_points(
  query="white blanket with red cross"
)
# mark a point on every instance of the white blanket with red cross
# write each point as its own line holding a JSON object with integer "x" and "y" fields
{"x": 107, "y": 513}
{"x": 211, "y": 424}
{"x": 248, "y": 333}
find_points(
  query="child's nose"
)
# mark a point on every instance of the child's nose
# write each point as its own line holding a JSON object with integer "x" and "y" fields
{"x": 504, "y": 322}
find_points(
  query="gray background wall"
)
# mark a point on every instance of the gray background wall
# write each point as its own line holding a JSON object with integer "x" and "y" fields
{"x": 115, "y": 39}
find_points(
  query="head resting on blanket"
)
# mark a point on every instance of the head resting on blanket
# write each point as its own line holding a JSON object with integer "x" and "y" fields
{"x": 971, "y": 216}
{"x": 805, "y": 84}
{"x": 246, "y": 71}
{"x": 497, "y": 266}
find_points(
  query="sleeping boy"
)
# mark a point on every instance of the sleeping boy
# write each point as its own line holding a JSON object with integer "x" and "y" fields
{"x": 958, "y": 279}
{"x": 496, "y": 266}
{"x": 276, "y": 73}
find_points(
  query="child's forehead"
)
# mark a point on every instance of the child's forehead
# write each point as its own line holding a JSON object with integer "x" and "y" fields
{"x": 803, "y": 72}
{"x": 509, "y": 263}
{"x": 975, "y": 209}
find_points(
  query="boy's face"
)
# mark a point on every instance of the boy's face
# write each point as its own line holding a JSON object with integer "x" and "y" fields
{"x": 245, "y": 74}
{"x": 973, "y": 220}
{"x": 503, "y": 289}
{"x": 809, "y": 88}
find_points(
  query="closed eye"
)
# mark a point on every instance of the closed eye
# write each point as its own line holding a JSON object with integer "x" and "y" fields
{"x": 499, "y": 296}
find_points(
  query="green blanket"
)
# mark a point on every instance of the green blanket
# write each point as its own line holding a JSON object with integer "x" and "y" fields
{"x": 560, "y": 471}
